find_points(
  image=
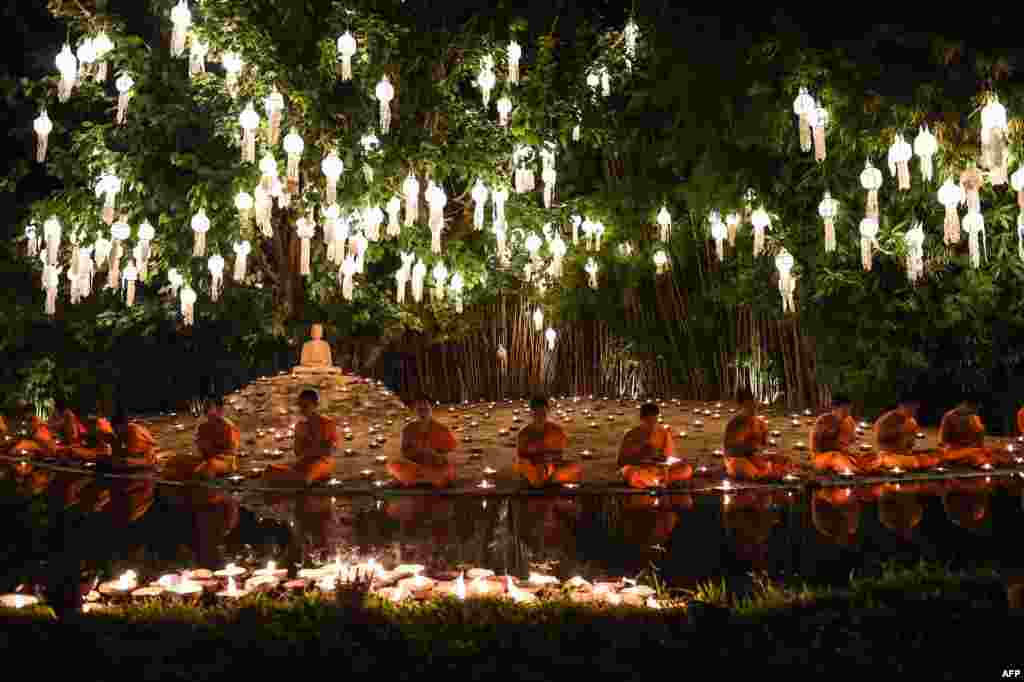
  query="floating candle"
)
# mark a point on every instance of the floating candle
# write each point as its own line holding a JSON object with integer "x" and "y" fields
{"x": 367, "y": 473}
{"x": 571, "y": 486}
{"x": 232, "y": 591}
{"x": 540, "y": 579}
{"x": 18, "y": 601}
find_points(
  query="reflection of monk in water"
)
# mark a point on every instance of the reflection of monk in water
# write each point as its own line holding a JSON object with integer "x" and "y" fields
{"x": 748, "y": 516}
{"x": 967, "y": 502}
{"x": 314, "y": 515}
{"x": 549, "y": 519}
{"x": 898, "y": 510}
{"x": 214, "y": 515}
{"x": 648, "y": 520}
{"x": 835, "y": 513}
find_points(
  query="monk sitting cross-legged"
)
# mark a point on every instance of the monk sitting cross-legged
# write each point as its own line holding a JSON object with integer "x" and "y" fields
{"x": 101, "y": 445}
{"x": 134, "y": 445}
{"x": 896, "y": 433}
{"x": 69, "y": 426}
{"x": 646, "y": 456}
{"x": 316, "y": 439}
{"x": 962, "y": 438}
{"x": 539, "y": 450}
{"x": 426, "y": 443}
{"x": 746, "y": 437}
{"x": 831, "y": 439}
{"x": 217, "y": 441}
{"x": 40, "y": 444}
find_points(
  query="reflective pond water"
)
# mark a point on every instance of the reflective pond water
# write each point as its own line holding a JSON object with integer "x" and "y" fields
{"x": 95, "y": 529}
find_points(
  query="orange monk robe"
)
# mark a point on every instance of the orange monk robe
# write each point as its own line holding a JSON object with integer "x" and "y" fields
{"x": 41, "y": 444}
{"x": 962, "y": 440}
{"x": 896, "y": 433}
{"x": 136, "y": 446}
{"x": 535, "y": 458}
{"x": 831, "y": 438}
{"x": 72, "y": 431}
{"x": 217, "y": 440}
{"x": 749, "y": 518}
{"x": 900, "y": 512}
{"x": 835, "y": 513}
{"x": 415, "y": 465}
{"x": 102, "y": 437}
{"x": 1020, "y": 421}
{"x": 315, "y": 441}
{"x": 639, "y": 452}
{"x": 745, "y": 439}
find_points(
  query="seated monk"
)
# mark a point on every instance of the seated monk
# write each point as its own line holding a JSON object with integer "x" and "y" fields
{"x": 746, "y": 436}
{"x": 426, "y": 444}
{"x": 539, "y": 450}
{"x": 896, "y": 433}
{"x": 831, "y": 438}
{"x": 316, "y": 439}
{"x": 217, "y": 441}
{"x": 133, "y": 445}
{"x": 646, "y": 453}
{"x": 1020, "y": 422}
{"x": 962, "y": 438}
{"x": 69, "y": 426}
{"x": 40, "y": 444}
{"x": 101, "y": 442}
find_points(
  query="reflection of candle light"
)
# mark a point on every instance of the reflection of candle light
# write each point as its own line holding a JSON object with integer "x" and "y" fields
{"x": 986, "y": 466}
{"x": 127, "y": 581}
{"x": 726, "y": 500}
{"x": 485, "y": 484}
{"x": 846, "y": 472}
{"x": 726, "y": 484}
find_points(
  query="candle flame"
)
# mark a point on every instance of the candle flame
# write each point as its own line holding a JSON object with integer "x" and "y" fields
{"x": 127, "y": 580}
{"x": 539, "y": 579}
{"x": 271, "y": 567}
{"x": 652, "y": 603}
{"x": 232, "y": 586}
{"x": 460, "y": 587}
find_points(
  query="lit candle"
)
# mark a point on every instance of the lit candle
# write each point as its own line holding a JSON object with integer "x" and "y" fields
{"x": 790, "y": 477}
{"x": 517, "y": 595}
{"x": 489, "y": 471}
{"x": 126, "y": 583}
{"x": 271, "y": 570}
{"x": 540, "y": 579}
{"x": 702, "y": 469}
{"x": 986, "y": 466}
{"x": 419, "y": 586}
{"x": 232, "y": 591}
{"x": 726, "y": 484}
{"x": 459, "y": 588}
{"x": 186, "y": 588}
{"x": 846, "y": 472}
{"x": 18, "y": 601}
{"x": 367, "y": 473}
{"x": 571, "y": 486}
{"x": 230, "y": 571}
{"x": 897, "y": 470}
{"x": 485, "y": 484}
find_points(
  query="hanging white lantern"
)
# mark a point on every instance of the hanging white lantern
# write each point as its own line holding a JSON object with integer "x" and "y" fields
{"x": 732, "y": 222}
{"x": 124, "y": 85}
{"x": 86, "y": 56}
{"x": 558, "y": 250}
{"x": 346, "y": 50}
{"x": 304, "y": 228}
{"x": 370, "y": 144}
{"x": 52, "y": 235}
{"x": 131, "y": 275}
{"x": 804, "y": 106}
{"x": 915, "y": 251}
{"x": 42, "y": 273}
{"x": 197, "y": 56}
{"x": 548, "y": 175}
{"x": 538, "y": 319}
{"x": 588, "y": 228}
{"x": 787, "y": 282}
{"x": 1017, "y": 182}
{"x": 660, "y": 261}
{"x": 249, "y": 120}
{"x": 42, "y": 126}
{"x": 108, "y": 187}
{"x": 268, "y": 171}
{"x": 819, "y": 123}
{"x": 342, "y": 229}
{"x": 244, "y": 204}
{"x": 925, "y": 146}
{"x": 373, "y": 218}
{"x": 479, "y": 195}
{"x": 216, "y": 266}
{"x": 242, "y": 251}
{"x": 899, "y": 161}
{"x": 576, "y": 222}
{"x": 598, "y": 77}
{"x": 504, "y": 109}
{"x": 102, "y": 251}
{"x": 499, "y": 195}
{"x": 349, "y": 267}
{"x": 827, "y": 209}
{"x": 971, "y": 181}
{"x": 551, "y": 336}
{"x": 263, "y": 211}
{"x": 1020, "y": 235}
{"x": 436, "y": 200}
{"x": 188, "y": 301}
{"x": 457, "y": 284}
{"x": 576, "y": 131}
{"x": 233, "y": 64}
{"x": 524, "y": 179}
{"x": 515, "y": 53}
{"x": 293, "y": 145}
{"x": 119, "y": 232}
{"x": 719, "y": 233}
{"x": 68, "y": 67}
{"x": 146, "y": 235}
{"x": 665, "y": 223}
{"x": 32, "y": 239}
{"x": 402, "y": 276}
{"x": 533, "y": 244}
{"x": 385, "y": 93}
{"x": 200, "y": 225}
{"x": 591, "y": 269}
{"x": 274, "y": 106}
{"x": 749, "y": 197}
{"x": 360, "y": 243}
{"x": 486, "y": 79}
{"x": 411, "y": 190}
{"x": 760, "y": 220}
{"x": 330, "y": 215}
{"x": 629, "y": 34}
{"x": 440, "y": 273}
{"x": 332, "y": 167}
{"x": 85, "y": 271}
{"x": 951, "y": 196}
{"x": 102, "y": 45}
{"x": 393, "y": 207}
{"x": 419, "y": 274}
{"x": 51, "y": 276}
{"x": 871, "y": 180}
{"x": 181, "y": 19}
{"x": 994, "y": 150}
{"x": 175, "y": 280}
{"x": 868, "y": 234}
{"x": 974, "y": 226}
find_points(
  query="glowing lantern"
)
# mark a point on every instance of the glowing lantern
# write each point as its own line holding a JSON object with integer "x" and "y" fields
{"x": 436, "y": 200}
{"x": 233, "y": 64}
{"x": 819, "y": 122}
{"x": 787, "y": 282}
{"x": 538, "y": 319}
{"x": 419, "y": 274}
{"x": 175, "y": 280}
{"x": 871, "y": 180}
{"x": 951, "y": 196}
{"x": 591, "y": 269}
{"x": 974, "y": 225}
{"x": 188, "y": 301}
{"x": 486, "y": 79}
{"x": 181, "y": 19}
{"x": 86, "y": 56}
{"x": 131, "y": 275}
{"x": 51, "y": 279}
{"x": 402, "y": 276}
{"x": 274, "y": 105}
{"x": 479, "y": 195}
{"x": 1017, "y": 181}
{"x": 304, "y": 229}
{"x": 440, "y": 273}
{"x": 359, "y": 243}
{"x": 332, "y": 167}
{"x": 533, "y": 244}
{"x": 899, "y": 161}
{"x": 660, "y": 261}
{"x": 102, "y": 45}
{"x": 915, "y": 251}
{"x": 331, "y": 214}
{"x": 804, "y": 107}
{"x": 85, "y": 271}
{"x": 33, "y": 240}
{"x": 52, "y": 235}
{"x": 244, "y": 204}
{"x": 971, "y": 181}
{"x": 827, "y": 209}
{"x": 524, "y": 179}
{"x": 1020, "y": 235}
{"x": 146, "y": 235}
{"x": 551, "y": 336}
{"x": 598, "y": 77}
{"x": 411, "y": 190}
{"x": 348, "y": 272}
{"x": 249, "y": 120}
{"x": 504, "y": 109}
{"x": 268, "y": 171}
{"x": 718, "y": 233}
{"x": 119, "y": 232}
{"x": 68, "y": 67}
{"x": 262, "y": 210}
{"x": 293, "y": 145}
{"x": 548, "y": 175}
{"x": 760, "y": 220}
{"x": 515, "y": 53}
{"x": 993, "y": 140}
{"x": 108, "y": 186}
{"x": 124, "y": 85}
{"x": 499, "y": 195}
{"x": 197, "y": 56}
{"x": 346, "y": 50}
{"x": 868, "y": 234}
{"x": 385, "y": 93}
{"x": 925, "y": 146}
{"x": 102, "y": 250}
{"x": 373, "y": 217}
{"x": 665, "y": 223}
{"x": 394, "y": 206}
{"x": 200, "y": 225}
{"x": 629, "y": 34}
{"x": 216, "y": 266}
{"x": 558, "y": 249}
{"x": 457, "y": 284}
{"x": 42, "y": 126}
{"x": 242, "y": 251}
{"x": 732, "y": 222}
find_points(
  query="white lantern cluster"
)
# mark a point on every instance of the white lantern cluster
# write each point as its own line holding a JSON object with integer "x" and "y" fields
{"x": 994, "y": 149}
{"x": 346, "y": 50}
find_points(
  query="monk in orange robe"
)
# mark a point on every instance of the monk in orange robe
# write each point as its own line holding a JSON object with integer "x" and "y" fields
{"x": 426, "y": 444}
{"x": 646, "y": 457}
{"x": 217, "y": 441}
{"x": 540, "y": 445}
{"x": 1020, "y": 422}
{"x": 746, "y": 437}
{"x": 831, "y": 438}
{"x": 962, "y": 438}
{"x": 316, "y": 439}
{"x": 98, "y": 444}
{"x": 896, "y": 433}
{"x": 40, "y": 444}
{"x": 69, "y": 426}
{"x": 134, "y": 445}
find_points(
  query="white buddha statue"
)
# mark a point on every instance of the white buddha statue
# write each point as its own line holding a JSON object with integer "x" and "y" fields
{"x": 316, "y": 355}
